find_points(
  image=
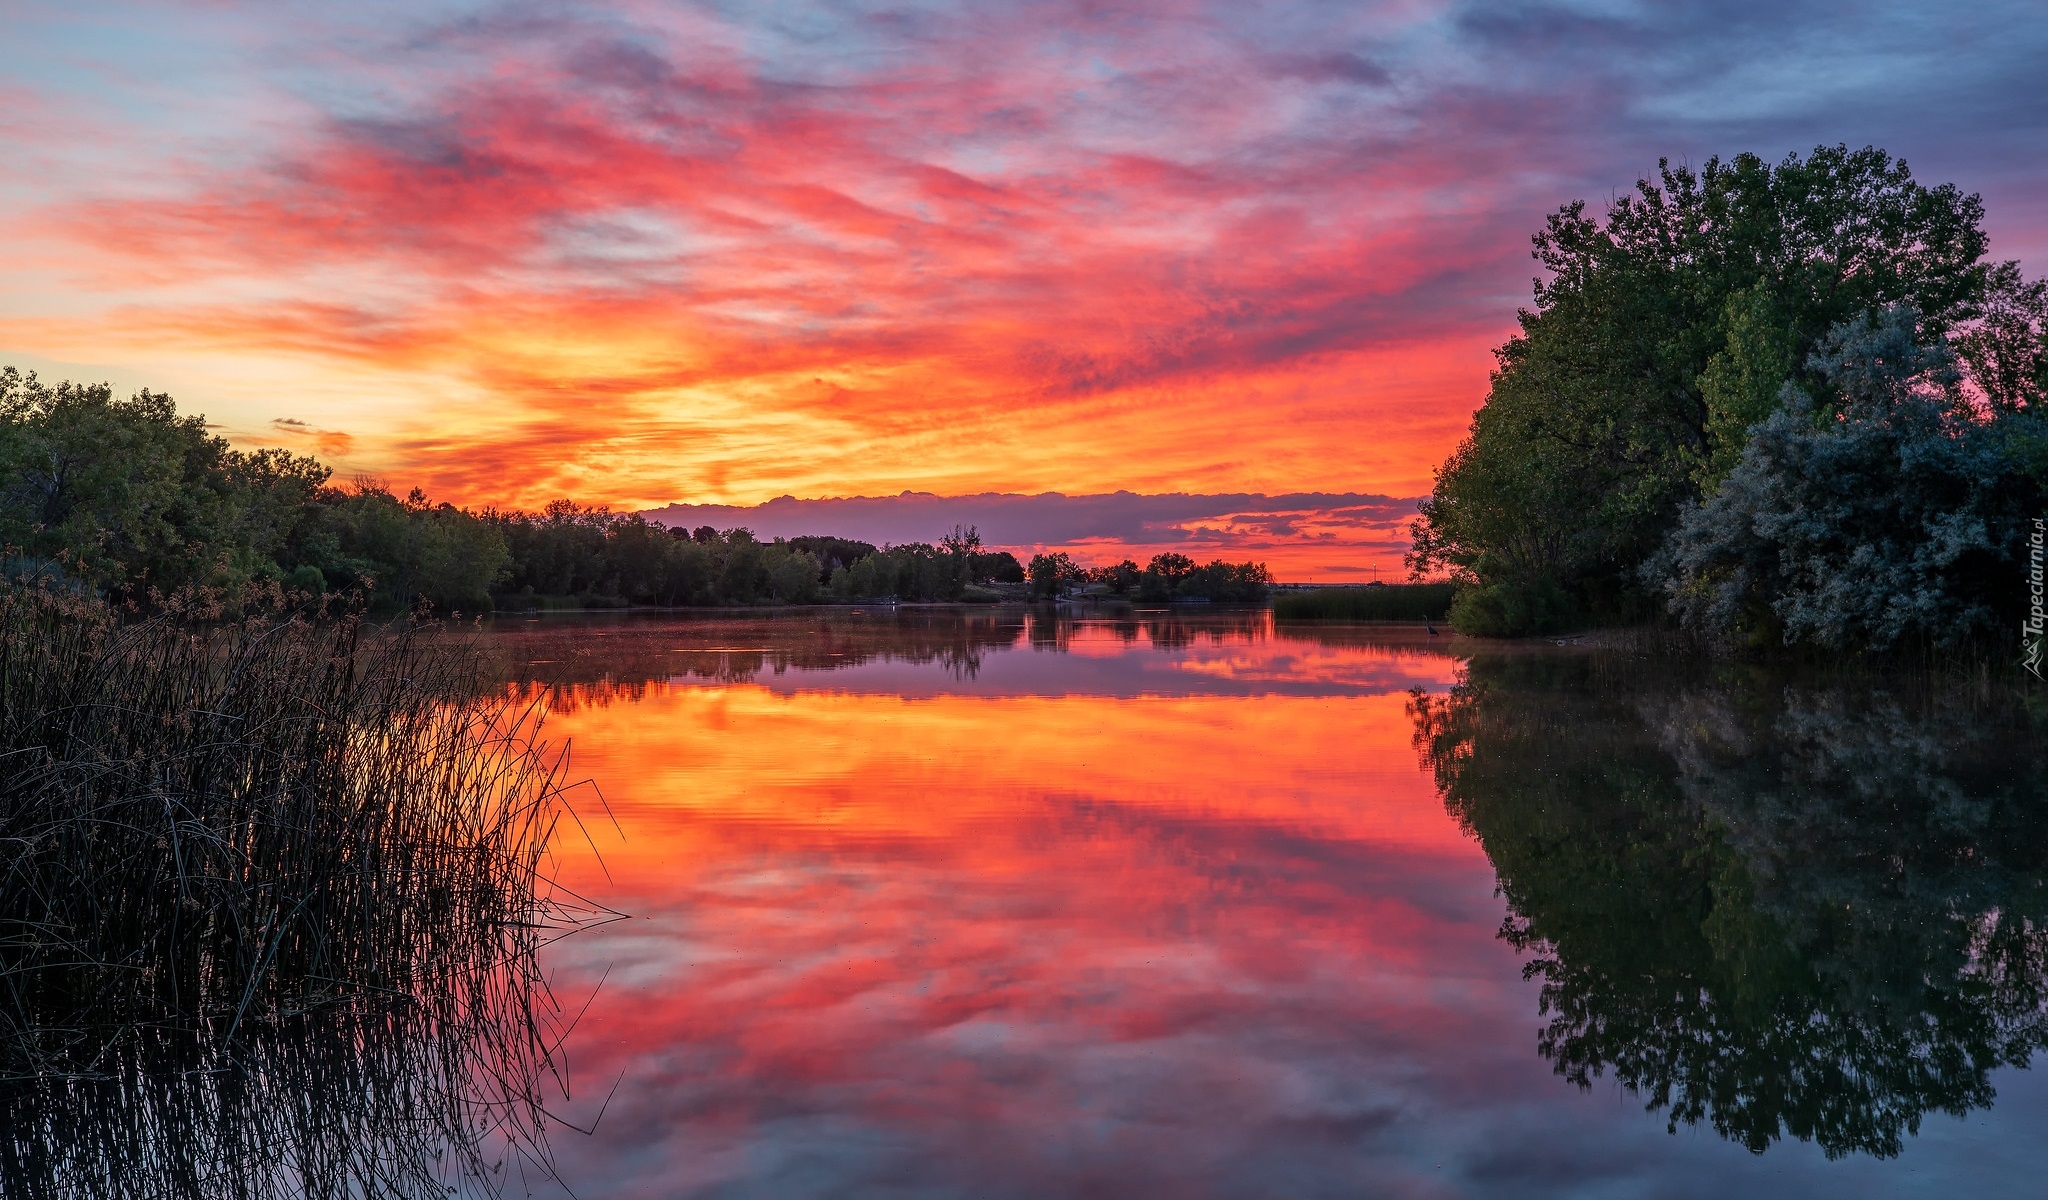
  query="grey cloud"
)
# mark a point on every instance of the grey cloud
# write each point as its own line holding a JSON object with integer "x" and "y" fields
{"x": 1047, "y": 519}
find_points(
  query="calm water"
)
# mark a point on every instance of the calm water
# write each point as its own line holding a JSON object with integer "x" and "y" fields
{"x": 996, "y": 905}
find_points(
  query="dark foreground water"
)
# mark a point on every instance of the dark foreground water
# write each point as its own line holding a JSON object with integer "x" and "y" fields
{"x": 999, "y": 905}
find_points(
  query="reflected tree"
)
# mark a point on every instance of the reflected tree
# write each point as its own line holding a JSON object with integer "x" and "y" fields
{"x": 1780, "y": 910}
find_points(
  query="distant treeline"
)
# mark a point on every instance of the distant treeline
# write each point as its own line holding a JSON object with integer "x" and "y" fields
{"x": 596, "y": 558}
{"x": 127, "y": 498}
{"x": 1167, "y": 577}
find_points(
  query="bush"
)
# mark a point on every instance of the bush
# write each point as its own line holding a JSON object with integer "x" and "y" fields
{"x": 1511, "y": 609}
{"x": 1900, "y": 519}
{"x": 1392, "y": 602}
{"x": 307, "y": 579}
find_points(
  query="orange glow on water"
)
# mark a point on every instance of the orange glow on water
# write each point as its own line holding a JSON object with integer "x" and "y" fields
{"x": 1012, "y": 904}
{"x": 940, "y": 915}
{"x": 745, "y": 762}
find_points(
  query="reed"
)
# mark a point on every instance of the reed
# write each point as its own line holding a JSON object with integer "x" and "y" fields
{"x": 270, "y": 895}
{"x": 1394, "y": 602}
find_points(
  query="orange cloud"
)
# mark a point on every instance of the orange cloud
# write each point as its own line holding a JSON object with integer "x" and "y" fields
{"x": 639, "y": 254}
{"x": 586, "y": 265}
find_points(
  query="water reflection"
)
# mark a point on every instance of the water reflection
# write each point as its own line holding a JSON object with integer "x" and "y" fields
{"x": 400, "y": 1101}
{"x": 1090, "y": 923}
{"x": 1168, "y": 906}
{"x": 1814, "y": 911}
{"x": 930, "y": 652}
{"x": 728, "y": 649}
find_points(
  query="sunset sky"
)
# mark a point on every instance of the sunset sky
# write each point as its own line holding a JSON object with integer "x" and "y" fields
{"x": 639, "y": 254}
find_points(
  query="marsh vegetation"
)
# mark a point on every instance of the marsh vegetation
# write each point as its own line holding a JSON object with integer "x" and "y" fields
{"x": 1385, "y": 602}
{"x": 273, "y": 890}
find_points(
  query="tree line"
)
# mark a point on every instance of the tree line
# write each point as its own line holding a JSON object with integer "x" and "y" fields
{"x": 597, "y": 558}
{"x": 1169, "y": 576}
{"x": 130, "y": 499}
{"x": 1790, "y": 404}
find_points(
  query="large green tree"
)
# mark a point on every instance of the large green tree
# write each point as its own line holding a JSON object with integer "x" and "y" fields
{"x": 1662, "y": 330}
{"x": 128, "y": 496}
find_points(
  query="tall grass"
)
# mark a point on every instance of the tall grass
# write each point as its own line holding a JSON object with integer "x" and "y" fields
{"x": 270, "y": 895}
{"x": 1394, "y": 602}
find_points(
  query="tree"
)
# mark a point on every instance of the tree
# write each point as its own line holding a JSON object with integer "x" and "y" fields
{"x": 1229, "y": 582}
{"x": 1657, "y": 337}
{"x": 1893, "y": 512}
{"x": 409, "y": 550}
{"x": 833, "y": 553}
{"x": 129, "y": 496}
{"x": 2006, "y": 346}
{"x": 1052, "y": 574}
{"x": 1120, "y": 578}
{"x": 792, "y": 574}
{"x": 559, "y": 551}
{"x": 636, "y": 560}
{"x": 741, "y": 579}
{"x": 1171, "y": 567}
{"x": 998, "y": 566}
{"x": 960, "y": 547}
{"x": 1741, "y": 383}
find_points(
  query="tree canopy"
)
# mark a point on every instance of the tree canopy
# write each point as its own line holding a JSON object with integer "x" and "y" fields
{"x": 1894, "y": 513}
{"x": 1663, "y": 331}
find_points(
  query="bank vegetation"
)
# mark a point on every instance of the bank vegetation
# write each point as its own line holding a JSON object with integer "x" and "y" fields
{"x": 1785, "y": 405}
{"x": 270, "y": 895}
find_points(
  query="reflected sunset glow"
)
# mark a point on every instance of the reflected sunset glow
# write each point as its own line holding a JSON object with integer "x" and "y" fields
{"x": 961, "y": 917}
{"x": 1010, "y": 904}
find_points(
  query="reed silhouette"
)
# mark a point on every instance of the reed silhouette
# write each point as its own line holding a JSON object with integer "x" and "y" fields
{"x": 273, "y": 889}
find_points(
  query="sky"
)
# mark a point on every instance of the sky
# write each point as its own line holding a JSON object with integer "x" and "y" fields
{"x": 1315, "y": 536}
{"x": 638, "y": 254}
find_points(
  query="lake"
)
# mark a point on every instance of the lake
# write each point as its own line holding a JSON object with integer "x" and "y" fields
{"x": 996, "y": 903}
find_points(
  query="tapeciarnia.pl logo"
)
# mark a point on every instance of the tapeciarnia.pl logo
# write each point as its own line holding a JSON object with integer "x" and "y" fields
{"x": 2030, "y": 632}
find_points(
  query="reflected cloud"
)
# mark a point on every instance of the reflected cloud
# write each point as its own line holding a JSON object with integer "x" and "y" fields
{"x": 953, "y": 938}
{"x": 1147, "y": 924}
